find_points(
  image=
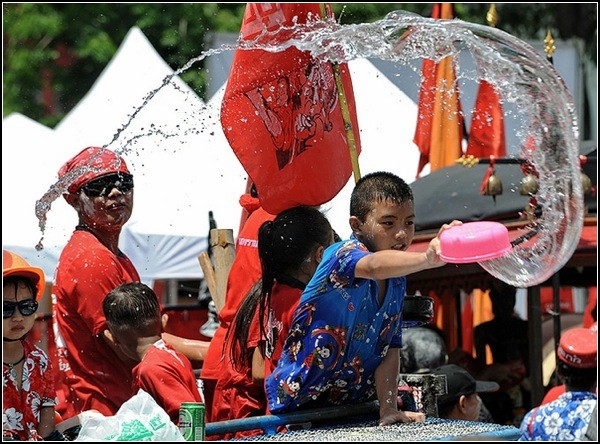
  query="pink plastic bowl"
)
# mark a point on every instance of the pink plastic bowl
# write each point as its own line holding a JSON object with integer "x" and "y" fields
{"x": 474, "y": 242}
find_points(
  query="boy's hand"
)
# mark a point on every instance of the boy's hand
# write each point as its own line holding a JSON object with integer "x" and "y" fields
{"x": 433, "y": 251}
{"x": 393, "y": 416}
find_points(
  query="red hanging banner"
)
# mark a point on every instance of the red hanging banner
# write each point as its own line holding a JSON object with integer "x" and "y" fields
{"x": 486, "y": 137}
{"x": 439, "y": 129}
{"x": 281, "y": 114}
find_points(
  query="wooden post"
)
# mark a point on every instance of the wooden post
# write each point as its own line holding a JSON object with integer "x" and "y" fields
{"x": 209, "y": 275}
{"x": 223, "y": 249}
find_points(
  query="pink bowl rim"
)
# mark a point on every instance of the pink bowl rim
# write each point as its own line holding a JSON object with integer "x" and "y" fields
{"x": 476, "y": 258}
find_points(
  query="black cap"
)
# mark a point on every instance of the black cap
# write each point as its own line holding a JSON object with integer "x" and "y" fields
{"x": 460, "y": 382}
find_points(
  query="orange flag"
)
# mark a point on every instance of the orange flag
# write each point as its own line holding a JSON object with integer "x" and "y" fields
{"x": 486, "y": 137}
{"x": 282, "y": 114}
{"x": 439, "y": 130}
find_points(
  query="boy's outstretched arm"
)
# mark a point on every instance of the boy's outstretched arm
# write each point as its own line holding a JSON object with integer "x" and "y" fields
{"x": 394, "y": 263}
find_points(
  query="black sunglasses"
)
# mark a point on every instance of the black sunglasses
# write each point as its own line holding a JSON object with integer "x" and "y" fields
{"x": 104, "y": 185}
{"x": 27, "y": 307}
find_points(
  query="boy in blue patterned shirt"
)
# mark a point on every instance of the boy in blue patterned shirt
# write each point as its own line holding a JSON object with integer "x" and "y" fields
{"x": 346, "y": 334}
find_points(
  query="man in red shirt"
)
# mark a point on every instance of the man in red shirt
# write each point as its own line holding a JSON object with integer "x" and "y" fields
{"x": 92, "y": 372}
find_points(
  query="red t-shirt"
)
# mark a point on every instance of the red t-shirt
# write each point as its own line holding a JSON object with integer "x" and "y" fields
{"x": 284, "y": 300}
{"x": 21, "y": 410}
{"x": 168, "y": 377}
{"x": 245, "y": 272}
{"x": 91, "y": 375}
{"x": 553, "y": 394}
{"x": 236, "y": 395}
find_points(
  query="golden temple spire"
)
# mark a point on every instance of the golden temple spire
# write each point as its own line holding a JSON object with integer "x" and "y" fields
{"x": 492, "y": 16}
{"x": 549, "y": 47}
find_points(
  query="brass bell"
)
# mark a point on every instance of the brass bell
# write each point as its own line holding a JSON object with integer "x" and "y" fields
{"x": 493, "y": 186}
{"x": 586, "y": 183}
{"x": 529, "y": 185}
{"x": 529, "y": 212}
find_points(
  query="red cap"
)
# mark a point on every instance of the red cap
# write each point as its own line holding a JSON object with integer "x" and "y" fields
{"x": 89, "y": 164}
{"x": 15, "y": 265}
{"x": 578, "y": 348}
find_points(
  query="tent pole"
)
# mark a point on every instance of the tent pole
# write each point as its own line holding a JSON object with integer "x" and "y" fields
{"x": 534, "y": 326}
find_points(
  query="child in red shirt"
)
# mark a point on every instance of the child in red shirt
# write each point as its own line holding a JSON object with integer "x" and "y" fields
{"x": 290, "y": 248}
{"x": 134, "y": 324}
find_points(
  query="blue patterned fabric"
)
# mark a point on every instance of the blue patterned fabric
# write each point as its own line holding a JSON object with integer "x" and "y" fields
{"x": 565, "y": 419}
{"x": 339, "y": 335}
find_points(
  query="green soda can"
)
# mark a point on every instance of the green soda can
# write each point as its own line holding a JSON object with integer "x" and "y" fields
{"x": 191, "y": 421}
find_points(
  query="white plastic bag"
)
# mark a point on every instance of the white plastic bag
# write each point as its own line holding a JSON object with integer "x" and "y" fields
{"x": 139, "y": 419}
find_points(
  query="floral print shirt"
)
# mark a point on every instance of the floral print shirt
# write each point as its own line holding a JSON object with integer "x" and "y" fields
{"x": 565, "y": 419}
{"x": 21, "y": 410}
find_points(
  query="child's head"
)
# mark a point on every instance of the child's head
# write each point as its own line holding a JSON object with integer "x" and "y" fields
{"x": 19, "y": 306}
{"x": 293, "y": 243}
{"x": 382, "y": 212}
{"x": 22, "y": 286}
{"x": 504, "y": 298}
{"x": 132, "y": 312}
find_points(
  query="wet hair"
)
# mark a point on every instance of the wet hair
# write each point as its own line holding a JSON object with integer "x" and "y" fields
{"x": 20, "y": 281}
{"x": 378, "y": 187}
{"x": 131, "y": 306}
{"x": 283, "y": 245}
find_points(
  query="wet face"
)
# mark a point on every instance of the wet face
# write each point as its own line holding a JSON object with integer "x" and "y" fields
{"x": 110, "y": 209}
{"x": 18, "y": 298}
{"x": 388, "y": 226}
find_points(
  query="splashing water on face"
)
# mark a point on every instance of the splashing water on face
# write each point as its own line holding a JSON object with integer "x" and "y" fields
{"x": 529, "y": 87}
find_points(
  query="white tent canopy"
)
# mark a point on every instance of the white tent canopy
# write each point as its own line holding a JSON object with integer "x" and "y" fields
{"x": 182, "y": 163}
{"x": 29, "y": 166}
{"x": 181, "y": 166}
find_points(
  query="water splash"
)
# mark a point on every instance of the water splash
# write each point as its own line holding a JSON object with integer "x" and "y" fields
{"x": 44, "y": 204}
{"x": 528, "y": 85}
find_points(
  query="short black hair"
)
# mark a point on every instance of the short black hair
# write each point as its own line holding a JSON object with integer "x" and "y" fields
{"x": 21, "y": 281}
{"x": 378, "y": 187}
{"x": 577, "y": 379}
{"x": 132, "y": 305}
{"x": 423, "y": 348}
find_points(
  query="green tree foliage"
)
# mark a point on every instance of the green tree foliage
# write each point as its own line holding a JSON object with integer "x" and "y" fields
{"x": 66, "y": 46}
